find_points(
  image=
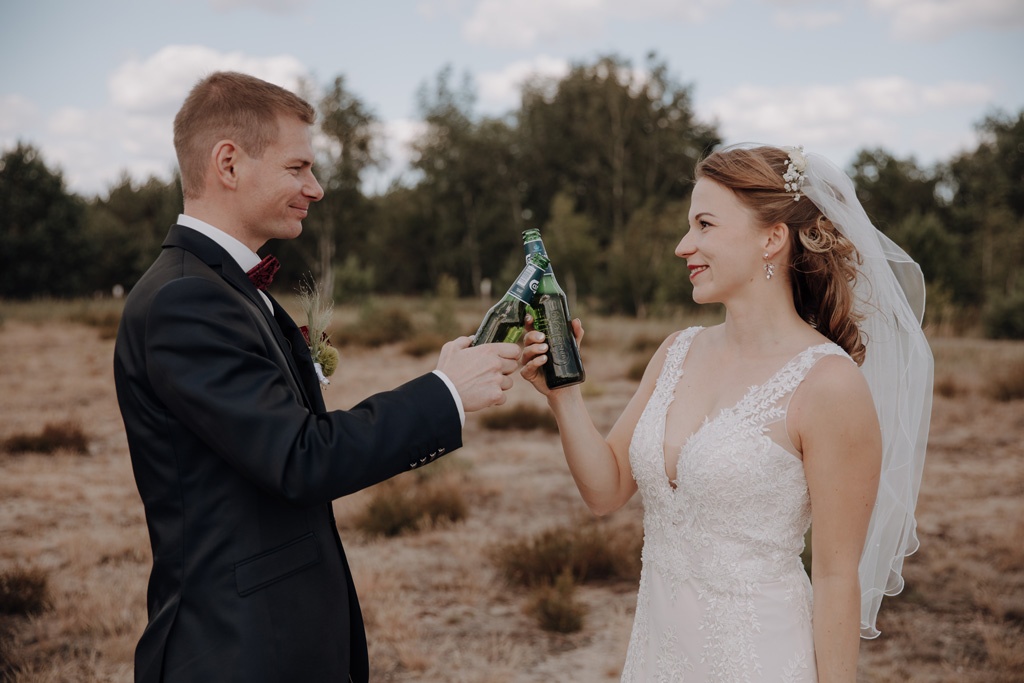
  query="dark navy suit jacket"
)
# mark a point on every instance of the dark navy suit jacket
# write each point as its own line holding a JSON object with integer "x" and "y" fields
{"x": 237, "y": 462}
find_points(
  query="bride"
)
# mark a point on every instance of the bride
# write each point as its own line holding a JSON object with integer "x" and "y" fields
{"x": 808, "y": 407}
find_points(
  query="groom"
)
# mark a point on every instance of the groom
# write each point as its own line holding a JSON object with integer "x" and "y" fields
{"x": 235, "y": 456}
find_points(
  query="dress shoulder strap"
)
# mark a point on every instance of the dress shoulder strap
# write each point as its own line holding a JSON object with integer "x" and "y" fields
{"x": 672, "y": 369}
{"x": 770, "y": 401}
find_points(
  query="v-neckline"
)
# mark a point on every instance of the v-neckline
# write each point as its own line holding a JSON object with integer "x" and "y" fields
{"x": 708, "y": 419}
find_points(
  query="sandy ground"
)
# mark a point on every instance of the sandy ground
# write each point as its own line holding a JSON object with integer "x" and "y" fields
{"x": 436, "y": 607}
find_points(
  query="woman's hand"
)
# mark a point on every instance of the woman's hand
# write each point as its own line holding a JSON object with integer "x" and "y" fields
{"x": 535, "y": 354}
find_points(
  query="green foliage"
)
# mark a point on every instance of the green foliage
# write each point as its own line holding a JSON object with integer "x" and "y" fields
{"x": 43, "y": 249}
{"x": 446, "y": 303}
{"x": 53, "y": 437}
{"x": 376, "y": 327}
{"x": 987, "y": 210}
{"x": 599, "y": 159}
{"x": 126, "y": 229}
{"x": 1004, "y": 318}
{"x": 643, "y": 270}
{"x": 352, "y": 279}
{"x": 571, "y": 236}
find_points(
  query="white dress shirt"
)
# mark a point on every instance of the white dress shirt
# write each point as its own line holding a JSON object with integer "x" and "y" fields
{"x": 247, "y": 259}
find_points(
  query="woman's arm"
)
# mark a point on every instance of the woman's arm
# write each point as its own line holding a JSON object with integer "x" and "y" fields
{"x": 837, "y": 431}
{"x": 599, "y": 466}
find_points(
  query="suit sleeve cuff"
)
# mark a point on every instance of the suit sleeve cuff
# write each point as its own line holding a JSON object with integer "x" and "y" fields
{"x": 455, "y": 395}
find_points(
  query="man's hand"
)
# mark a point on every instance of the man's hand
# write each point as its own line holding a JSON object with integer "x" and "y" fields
{"x": 481, "y": 374}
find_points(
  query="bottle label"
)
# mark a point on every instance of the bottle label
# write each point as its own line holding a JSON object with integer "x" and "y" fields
{"x": 526, "y": 284}
{"x": 555, "y": 327}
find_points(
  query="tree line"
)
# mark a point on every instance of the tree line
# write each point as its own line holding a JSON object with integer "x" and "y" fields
{"x": 600, "y": 160}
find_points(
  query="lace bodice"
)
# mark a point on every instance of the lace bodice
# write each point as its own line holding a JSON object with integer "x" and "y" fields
{"x": 733, "y": 523}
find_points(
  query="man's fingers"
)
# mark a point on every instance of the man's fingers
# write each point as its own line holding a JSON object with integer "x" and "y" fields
{"x": 461, "y": 342}
{"x": 506, "y": 350}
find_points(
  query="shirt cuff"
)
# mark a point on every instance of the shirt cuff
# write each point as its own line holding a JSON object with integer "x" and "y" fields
{"x": 455, "y": 395}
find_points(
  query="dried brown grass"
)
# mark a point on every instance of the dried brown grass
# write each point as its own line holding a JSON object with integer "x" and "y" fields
{"x": 408, "y": 504}
{"x": 556, "y": 608}
{"x": 519, "y": 417}
{"x": 54, "y": 436}
{"x": 437, "y": 607}
{"x": 585, "y": 552}
{"x": 23, "y": 591}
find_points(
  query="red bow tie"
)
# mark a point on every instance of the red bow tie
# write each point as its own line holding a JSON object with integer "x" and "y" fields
{"x": 262, "y": 274}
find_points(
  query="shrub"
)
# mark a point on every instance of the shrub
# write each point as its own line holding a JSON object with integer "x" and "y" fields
{"x": 390, "y": 512}
{"x": 446, "y": 322}
{"x": 637, "y": 369}
{"x": 1007, "y": 383}
{"x": 106, "y": 322}
{"x": 424, "y": 344}
{"x": 645, "y": 344}
{"x": 23, "y": 591}
{"x": 409, "y": 504}
{"x": 54, "y": 436}
{"x": 585, "y": 552}
{"x": 556, "y": 608}
{"x": 1005, "y": 318}
{"x": 948, "y": 386}
{"x": 524, "y": 417}
{"x": 376, "y": 327}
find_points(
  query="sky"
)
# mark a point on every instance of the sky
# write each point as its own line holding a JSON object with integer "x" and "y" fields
{"x": 95, "y": 85}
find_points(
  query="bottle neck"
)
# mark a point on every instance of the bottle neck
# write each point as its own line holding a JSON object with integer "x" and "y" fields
{"x": 536, "y": 246}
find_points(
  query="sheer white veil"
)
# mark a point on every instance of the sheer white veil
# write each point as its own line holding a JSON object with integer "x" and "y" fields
{"x": 898, "y": 365}
{"x": 889, "y": 294}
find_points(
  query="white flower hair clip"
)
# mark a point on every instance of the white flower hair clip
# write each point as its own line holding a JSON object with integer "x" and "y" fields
{"x": 796, "y": 171}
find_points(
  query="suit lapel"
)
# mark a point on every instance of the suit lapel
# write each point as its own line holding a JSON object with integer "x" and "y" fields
{"x": 214, "y": 256}
{"x": 300, "y": 356}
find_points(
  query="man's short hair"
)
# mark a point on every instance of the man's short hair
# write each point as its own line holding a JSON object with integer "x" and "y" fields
{"x": 233, "y": 106}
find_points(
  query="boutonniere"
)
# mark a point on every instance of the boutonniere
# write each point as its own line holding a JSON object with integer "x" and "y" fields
{"x": 318, "y": 316}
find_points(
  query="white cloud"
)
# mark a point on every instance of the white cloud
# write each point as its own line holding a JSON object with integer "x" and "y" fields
{"x": 807, "y": 20}
{"x": 276, "y": 6}
{"x": 677, "y": 10}
{"x": 526, "y": 23}
{"x": 16, "y": 114}
{"x": 936, "y": 19}
{"x": 159, "y": 84}
{"x": 499, "y": 90}
{"x": 885, "y": 112}
{"x": 397, "y": 136}
{"x": 132, "y": 131}
{"x": 432, "y": 9}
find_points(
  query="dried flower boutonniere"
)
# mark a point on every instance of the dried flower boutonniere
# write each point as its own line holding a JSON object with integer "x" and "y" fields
{"x": 318, "y": 315}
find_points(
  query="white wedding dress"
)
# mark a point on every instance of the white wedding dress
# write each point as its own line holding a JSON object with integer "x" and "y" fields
{"x": 723, "y": 595}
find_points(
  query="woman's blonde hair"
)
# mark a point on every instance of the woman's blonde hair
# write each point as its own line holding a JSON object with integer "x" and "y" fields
{"x": 823, "y": 263}
{"x": 230, "y": 106}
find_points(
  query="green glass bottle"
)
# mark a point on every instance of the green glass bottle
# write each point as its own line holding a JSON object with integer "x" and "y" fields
{"x": 564, "y": 366}
{"x": 505, "y": 320}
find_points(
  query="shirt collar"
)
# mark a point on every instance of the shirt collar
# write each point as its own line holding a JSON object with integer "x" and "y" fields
{"x": 243, "y": 256}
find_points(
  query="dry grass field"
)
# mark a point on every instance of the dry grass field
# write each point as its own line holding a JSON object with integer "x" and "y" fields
{"x": 440, "y": 602}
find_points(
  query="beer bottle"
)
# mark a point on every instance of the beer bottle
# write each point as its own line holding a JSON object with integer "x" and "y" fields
{"x": 505, "y": 320}
{"x": 551, "y": 316}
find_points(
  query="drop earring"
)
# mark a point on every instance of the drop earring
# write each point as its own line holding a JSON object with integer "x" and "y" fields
{"x": 769, "y": 267}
